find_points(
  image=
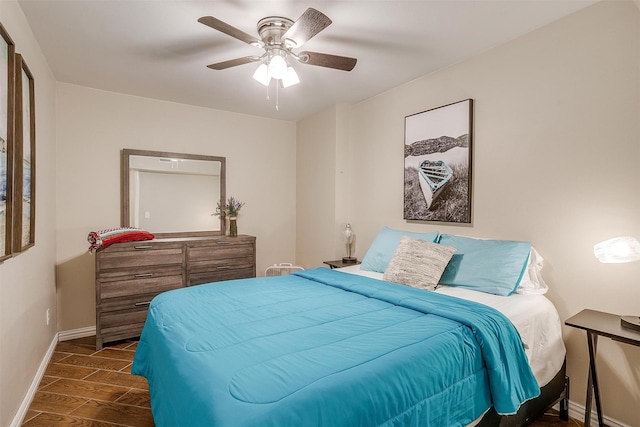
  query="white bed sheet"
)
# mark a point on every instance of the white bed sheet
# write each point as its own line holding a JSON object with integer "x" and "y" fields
{"x": 534, "y": 316}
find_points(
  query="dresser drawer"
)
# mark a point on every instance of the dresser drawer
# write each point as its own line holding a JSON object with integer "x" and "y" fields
{"x": 208, "y": 276}
{"x": 130, "y": 302}
{"x": 221, "y": 264}
{"x": 132, "y": 282}
{"x": 219, "y": 252}
{"x": 122, "y": 318}
{"x": 139, "y": 255}
{"x": 122, "y": 324}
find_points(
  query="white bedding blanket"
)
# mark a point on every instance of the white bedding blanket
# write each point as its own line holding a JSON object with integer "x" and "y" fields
{"x": 534, "y": 316}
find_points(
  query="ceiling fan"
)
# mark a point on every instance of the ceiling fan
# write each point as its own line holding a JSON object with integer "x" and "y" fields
{"x": 279, "y": 37}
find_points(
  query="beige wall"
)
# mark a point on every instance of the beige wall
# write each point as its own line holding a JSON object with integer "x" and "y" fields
{"x": 324, "y": 171}
{"x": 93, "y": 126}
{"x": 315, "y": 192}
{"x": 555, "y": 162}
{"x": 27, "y": 287}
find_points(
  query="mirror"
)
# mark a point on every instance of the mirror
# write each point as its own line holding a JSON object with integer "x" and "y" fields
{"x": 172, "y": 194}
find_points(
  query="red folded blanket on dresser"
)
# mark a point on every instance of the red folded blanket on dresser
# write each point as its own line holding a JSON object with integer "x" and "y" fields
{"x": 105, "y": 238}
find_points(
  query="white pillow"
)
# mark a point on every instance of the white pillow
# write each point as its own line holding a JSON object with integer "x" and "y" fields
{"x": 418, "y": 263}
{"x": 532, "y": 282}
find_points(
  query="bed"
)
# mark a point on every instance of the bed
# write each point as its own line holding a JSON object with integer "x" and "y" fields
{"x": 347, "y": 347}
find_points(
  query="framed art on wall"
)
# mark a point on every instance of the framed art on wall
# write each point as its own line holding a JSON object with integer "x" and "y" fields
{"x": 7, "y": 79}
{"x": 437, "y": 164}
{"x": 24, "y": 214}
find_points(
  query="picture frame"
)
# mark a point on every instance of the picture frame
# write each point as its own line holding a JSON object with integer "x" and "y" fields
{"x": 437, "y": 164}
{"x": 7, "y": 98}
{"x": 24, "y": 207}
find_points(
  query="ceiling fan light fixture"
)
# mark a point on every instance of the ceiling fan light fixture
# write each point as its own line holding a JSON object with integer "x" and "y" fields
{"x": 278, "y": 37}
{"x": 290, "y": 78}
{"x": 277, "y": 67}
{"x": 262, "y": 75}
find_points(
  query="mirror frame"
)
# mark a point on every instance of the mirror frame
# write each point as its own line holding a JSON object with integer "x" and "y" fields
{"x": 124, "y": 186}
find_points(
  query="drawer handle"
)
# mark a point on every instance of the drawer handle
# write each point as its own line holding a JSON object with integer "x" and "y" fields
{"x": 142, "y": 304}
{"x": 223, "y": 267}
{"x": 144, "y": 275}
{"x": 143, "y": 247}
{"x": 222, "y": 242}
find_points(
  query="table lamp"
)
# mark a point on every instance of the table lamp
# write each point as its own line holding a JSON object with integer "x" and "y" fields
{"x": 618, "y": 250}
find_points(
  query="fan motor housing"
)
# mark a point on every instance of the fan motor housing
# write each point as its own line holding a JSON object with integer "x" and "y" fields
{"x": 272, "y": 28}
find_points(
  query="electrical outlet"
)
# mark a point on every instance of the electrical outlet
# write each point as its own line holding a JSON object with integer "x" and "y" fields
{"x": 48, "y": 316}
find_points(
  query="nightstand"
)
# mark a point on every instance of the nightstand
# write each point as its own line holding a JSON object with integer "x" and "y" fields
{"x": 339, "y": 263}
{"x": 597, "y": 323}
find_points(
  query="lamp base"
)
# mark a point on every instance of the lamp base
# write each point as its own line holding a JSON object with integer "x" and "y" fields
{"x": 631, "y": 322}
{"x": 349, "y": 260}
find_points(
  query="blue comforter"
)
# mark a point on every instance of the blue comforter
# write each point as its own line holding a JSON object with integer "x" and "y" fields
{"x": 326, "y": 348}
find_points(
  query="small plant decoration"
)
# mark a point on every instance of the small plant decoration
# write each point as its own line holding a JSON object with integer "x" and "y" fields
{"x": 231, "y": 209}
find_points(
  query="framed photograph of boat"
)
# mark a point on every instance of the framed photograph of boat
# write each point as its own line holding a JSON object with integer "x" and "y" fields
{"x": 437, "y": 164}
{"x": 7, "y": 80}
{"x": 24, "y": 208}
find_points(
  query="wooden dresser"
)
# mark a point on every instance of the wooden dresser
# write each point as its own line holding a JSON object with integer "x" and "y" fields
{"x": 129, "y": 275}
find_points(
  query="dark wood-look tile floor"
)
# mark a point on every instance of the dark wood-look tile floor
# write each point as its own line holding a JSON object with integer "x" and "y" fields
{"x": 552, "y": 420}
{"x": 88, "y": 388}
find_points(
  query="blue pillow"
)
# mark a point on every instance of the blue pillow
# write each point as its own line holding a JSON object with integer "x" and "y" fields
{"x": 384, "y": 246}
{"x": 491, "y": 266}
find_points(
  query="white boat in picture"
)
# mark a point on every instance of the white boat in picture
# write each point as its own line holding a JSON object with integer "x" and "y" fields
{"x": 434, "y": 175}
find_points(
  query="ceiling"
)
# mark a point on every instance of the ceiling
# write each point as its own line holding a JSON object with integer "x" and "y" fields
{"x": 157, "y": 49}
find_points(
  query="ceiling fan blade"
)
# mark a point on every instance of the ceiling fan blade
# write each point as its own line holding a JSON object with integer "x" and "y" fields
{"x": 233, "y": 62}
{"x": 330, "y": 61}
{"x": 308, "y": 25}
{"x": 230, "y": 30}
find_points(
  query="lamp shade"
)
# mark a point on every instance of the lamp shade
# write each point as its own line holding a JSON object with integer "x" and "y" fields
{"x": 290, "y": 78}
{"x": 262, "y": 74}
{"x": 618, "y": 250}
{"x": 277, "y": 67}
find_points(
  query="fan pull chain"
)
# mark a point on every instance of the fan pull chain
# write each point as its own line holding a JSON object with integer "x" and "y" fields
{"x": 277, "y": 96}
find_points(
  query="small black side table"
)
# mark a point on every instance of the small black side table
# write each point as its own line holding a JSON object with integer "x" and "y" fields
{"x": 339, "y": 263}
{"x": 608, "y": 325}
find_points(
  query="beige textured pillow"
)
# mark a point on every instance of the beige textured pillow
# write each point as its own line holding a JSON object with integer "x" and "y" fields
{"x": 418, "y": 263}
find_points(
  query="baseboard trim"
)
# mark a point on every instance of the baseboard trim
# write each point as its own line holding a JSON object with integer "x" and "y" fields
{"x": 577, "y": 411}
{"x": 60, "y": 336}
{"x": 26, "y": 402}
{"x": 76, "y": 333}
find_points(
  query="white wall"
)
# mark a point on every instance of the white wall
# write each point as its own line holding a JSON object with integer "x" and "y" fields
{"x": 27, "y": 287}
{"x": 555, "y": 162}
{"x": 93, "y": 126}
